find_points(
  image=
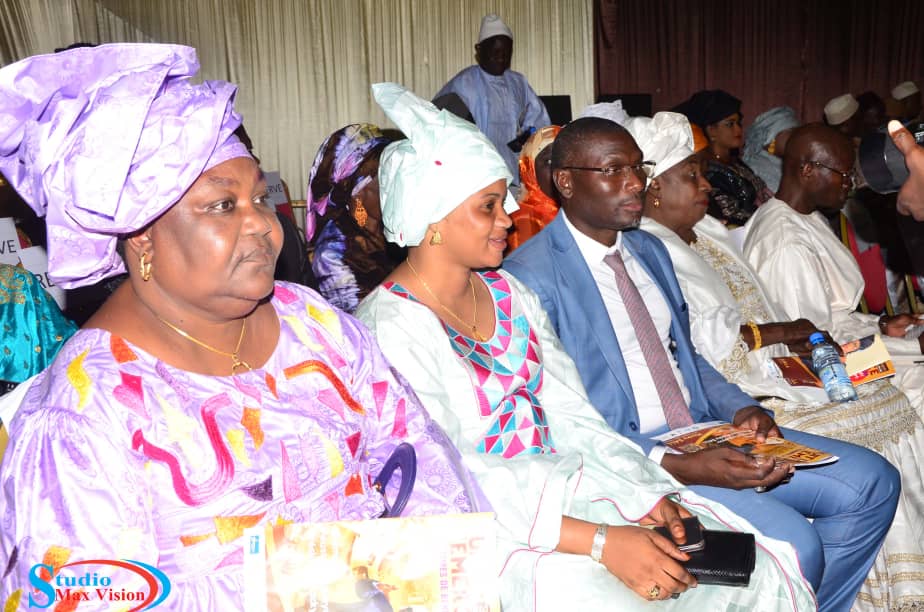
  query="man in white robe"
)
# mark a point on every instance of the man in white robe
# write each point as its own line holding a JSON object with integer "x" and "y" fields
{"x": 804, "y": 267}
{"x": 501, "y": 101}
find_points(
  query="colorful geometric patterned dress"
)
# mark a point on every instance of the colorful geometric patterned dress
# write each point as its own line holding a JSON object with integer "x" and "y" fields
{"x": 118, "y": 455}
{"x": 506, "y": 374}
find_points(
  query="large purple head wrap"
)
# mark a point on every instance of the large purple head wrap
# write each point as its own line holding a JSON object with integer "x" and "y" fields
{"x": 104, "y": 140}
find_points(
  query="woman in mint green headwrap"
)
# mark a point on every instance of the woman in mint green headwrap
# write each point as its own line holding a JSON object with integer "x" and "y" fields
{"x": 571, "y": 495}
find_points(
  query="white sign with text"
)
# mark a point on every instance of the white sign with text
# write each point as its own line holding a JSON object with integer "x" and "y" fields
{"x": 34, "y": 259}
{"x": 275, "y": 189}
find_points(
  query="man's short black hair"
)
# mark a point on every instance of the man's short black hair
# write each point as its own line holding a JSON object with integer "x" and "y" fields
{"x": 575, "y": 136}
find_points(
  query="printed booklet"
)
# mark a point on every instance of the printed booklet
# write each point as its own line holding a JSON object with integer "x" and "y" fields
{"x": 413, "y": 564}
{"x": 701, "y": 436}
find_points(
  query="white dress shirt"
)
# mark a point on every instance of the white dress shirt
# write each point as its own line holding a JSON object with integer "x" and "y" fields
{"x": 650, "y": 411}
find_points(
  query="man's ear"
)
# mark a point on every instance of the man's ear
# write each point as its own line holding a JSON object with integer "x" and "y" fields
{"x": 806, "y": 171}
{"x": 562, "y": 180}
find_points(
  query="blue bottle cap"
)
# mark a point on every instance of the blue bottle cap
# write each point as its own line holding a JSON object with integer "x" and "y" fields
{"x": 817, "y": 338}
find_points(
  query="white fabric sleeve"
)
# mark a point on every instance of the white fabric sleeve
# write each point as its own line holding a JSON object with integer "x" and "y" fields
{"x": 791, "y": 276}
{"x": 657, "y": 453}
{"x": 853, "y": 325}
{"x": 715, "y": 329}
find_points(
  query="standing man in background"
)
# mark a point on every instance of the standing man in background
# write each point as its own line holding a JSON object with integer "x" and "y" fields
{"x": 504, "y": 106}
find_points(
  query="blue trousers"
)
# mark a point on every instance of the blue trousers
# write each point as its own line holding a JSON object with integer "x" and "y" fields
{"x": 852, "y": 503}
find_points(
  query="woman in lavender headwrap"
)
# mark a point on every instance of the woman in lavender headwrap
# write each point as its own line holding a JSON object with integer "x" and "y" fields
{"x": 349, "y": 255}
{"x": 202, "y": 398}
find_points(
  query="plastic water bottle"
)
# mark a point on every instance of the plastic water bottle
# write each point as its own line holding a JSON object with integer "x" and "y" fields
{"x": 829, "y": 368}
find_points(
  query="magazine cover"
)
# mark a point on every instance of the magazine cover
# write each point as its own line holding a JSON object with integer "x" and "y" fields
{"x": 414, "y": 564}
{"x": 867, "y": 359}
{"x": 701, "y": 436}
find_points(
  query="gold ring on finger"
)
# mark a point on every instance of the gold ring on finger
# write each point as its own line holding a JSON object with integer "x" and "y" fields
{"x": 654, "y": 592}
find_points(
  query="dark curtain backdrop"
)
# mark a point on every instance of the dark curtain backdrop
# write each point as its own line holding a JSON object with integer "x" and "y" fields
{"x": 796, "y": 52}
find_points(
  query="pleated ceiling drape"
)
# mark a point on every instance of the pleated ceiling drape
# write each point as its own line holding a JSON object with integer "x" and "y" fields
{"x": 304, "y": 66}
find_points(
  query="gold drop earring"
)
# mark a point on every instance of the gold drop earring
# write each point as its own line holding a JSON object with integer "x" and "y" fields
{"x": 359, "y": 213}
{"x": 144, "y": 267}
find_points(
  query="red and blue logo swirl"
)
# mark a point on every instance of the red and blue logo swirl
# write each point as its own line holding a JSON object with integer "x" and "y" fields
{"x": 50, "y": 586}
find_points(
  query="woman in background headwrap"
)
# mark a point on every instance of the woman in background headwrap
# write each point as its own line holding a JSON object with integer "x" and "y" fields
{"x": 537, "y": 207}
{"x": 765, "y": 143}
{"x": 738, "y": 330}
{"x": 201, "y": 398}
{"x": 481, "y": 354}
{"x": 34, "y": 329}
{"x": 349, "y": 255}
{"x": 736, "y": 190}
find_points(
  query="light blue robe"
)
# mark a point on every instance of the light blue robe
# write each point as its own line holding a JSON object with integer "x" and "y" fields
{"x": 502, "y": 107}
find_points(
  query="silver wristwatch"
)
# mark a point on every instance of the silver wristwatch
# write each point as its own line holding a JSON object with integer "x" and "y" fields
{"x": 596, "y": 549}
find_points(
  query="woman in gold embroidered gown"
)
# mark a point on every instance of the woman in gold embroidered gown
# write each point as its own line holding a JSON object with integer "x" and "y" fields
{"x": 725, "y": 300}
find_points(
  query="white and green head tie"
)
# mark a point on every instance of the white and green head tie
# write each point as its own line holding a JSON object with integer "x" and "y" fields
{"x": 665, "y": 139}
{"x": 443, "y": 161}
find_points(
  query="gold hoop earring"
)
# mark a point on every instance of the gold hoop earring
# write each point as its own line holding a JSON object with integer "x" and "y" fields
{"x": 359, "y": 213}
{"x": 145, "y": 267}
{"x": 436, "y": 238}
{"x": 657, "y": 202}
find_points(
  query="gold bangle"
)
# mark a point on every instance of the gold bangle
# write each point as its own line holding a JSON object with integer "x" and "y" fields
{"x": 755, "y": 332}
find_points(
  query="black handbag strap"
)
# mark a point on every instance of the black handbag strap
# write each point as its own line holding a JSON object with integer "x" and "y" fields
{"x": 405, "y": 459}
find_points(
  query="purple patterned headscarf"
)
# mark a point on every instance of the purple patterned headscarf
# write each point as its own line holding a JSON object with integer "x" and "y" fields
{"x": 351, "y": 145}
{"x": 104, "y": 140}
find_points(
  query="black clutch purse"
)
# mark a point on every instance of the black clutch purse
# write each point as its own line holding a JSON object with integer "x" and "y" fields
{"x": 727, "y": 558}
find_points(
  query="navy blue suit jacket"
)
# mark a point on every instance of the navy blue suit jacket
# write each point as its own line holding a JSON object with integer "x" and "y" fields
{"x": 551, "y": 264}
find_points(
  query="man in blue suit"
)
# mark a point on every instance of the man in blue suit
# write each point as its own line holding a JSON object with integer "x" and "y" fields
{"x": 600, "y": 175}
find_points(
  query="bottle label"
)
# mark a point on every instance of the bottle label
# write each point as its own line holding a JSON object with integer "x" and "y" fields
{"x": 830, "y": 375}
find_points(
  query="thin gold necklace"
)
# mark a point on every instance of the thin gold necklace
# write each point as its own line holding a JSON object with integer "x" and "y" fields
{"x": 236, "y": 361}
{"x": 473, "y": 326}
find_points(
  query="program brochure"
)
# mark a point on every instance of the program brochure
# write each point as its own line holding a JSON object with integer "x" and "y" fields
{"x": 415, "y": 564}
{"x": 701, "y": 436}
{"x": 867, "y": 359}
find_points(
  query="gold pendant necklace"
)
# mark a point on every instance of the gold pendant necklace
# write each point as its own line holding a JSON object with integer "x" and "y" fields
{"x": 472, "y": 326}
{"x": 236, "y": 361}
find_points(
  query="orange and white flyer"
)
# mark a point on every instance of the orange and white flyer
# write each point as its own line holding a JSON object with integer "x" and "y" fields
{"x": 714, "y": 434}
